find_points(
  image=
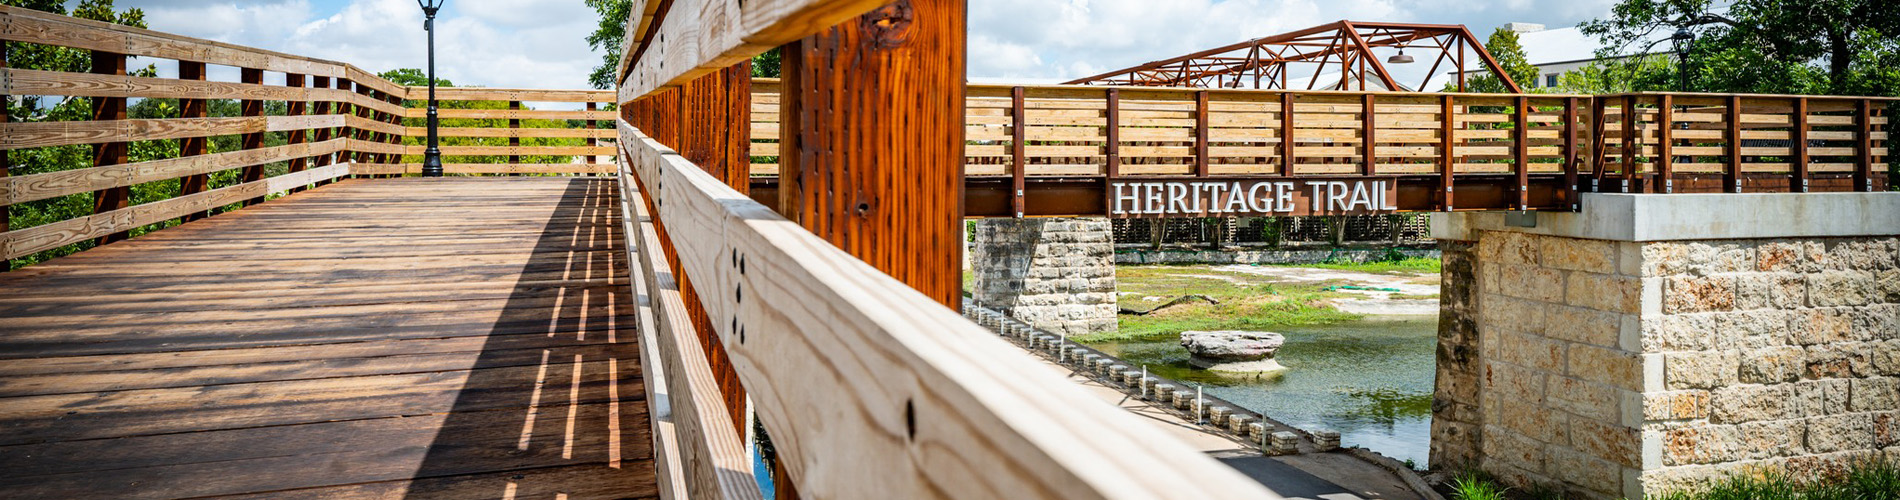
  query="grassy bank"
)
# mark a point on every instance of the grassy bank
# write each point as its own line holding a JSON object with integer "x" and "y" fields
{"x": 1869, "y": 480}
{"x": 1241, "y": 302}
{"x": 1401, "y": 265}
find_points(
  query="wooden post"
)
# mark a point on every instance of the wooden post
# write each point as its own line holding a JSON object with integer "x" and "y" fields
{"x": 6, "y": 157}
{"x": 1665, "y": 144}
{"x": 1599, "y": 135}
{"x": 193, "y": 146}
{"x": 715, "y": 119}
{"x": 589, "y": 125}
{"x": 1368, "y": 135}
{"x": 1629, "y": 142}
{"x": 514, "y": 134}
{"x": 396, "y": 120}
{"x": 1018, "y": 158}
{"x": 1520, "y": 150}
{"x": 322, "y": 84}
{"x": 360, "y": 113}
{"x": 1286, "y": 133}
{"x": 1447, "y": 157}
{"x": 1864, "y": 146}
{"x": 1571, "y": 193}
{"x": 1798, "y": 139}
{"x": 1732, "y": 172}
{"x": 297, "y": 108}
{"x": 1113, "y": 147}
{"x": 888, "y": 84}
{"x": 254, "y": 140}
{"x": 111, "y": 153}
{"x": 1201, "y": 166}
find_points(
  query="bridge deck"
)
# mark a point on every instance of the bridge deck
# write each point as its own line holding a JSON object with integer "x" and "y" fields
{"x": 374, "y": 338}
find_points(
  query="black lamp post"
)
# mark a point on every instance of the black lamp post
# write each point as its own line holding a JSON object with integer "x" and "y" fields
{"x": 432, "y": 157}
{"x": 1684, "y": 40}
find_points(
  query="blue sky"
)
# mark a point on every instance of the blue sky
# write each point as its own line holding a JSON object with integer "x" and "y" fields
{"x": 541, "y": 43}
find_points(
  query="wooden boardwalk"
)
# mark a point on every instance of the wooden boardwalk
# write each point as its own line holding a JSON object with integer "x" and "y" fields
{"x": 451, "y": 338}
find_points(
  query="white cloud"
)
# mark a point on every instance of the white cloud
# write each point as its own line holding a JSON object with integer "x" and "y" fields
{"x": 1056, "y": 40}
{"x": 491, "y": 43}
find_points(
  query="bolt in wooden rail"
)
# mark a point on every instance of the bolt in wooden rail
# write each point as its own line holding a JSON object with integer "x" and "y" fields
{"x": 110, "y": 153}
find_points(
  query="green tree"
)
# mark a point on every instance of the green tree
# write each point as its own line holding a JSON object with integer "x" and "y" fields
{"x": 611, "y": 34}
{"x": 1504, "y": 47}
{"x": 44, "y": 109}
{"x": 415, "y": 77}
{"x": 1772, "y": 46}
{"x": 1636, "y": 74}
{"x": 608, "y": 38}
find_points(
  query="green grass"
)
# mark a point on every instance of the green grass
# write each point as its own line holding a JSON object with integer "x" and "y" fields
{"x": 1867, "y": 480}
{"x": 1247, "y": 302}
{"x": 1406, "y": 265}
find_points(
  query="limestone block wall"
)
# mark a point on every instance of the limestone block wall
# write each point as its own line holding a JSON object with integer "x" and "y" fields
{"x": 1613, "y": 367}
{"x": 1778, "y": 353}
{"x": 1055, "y": 274}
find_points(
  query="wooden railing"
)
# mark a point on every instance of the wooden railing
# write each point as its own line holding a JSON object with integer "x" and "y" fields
{"x": 1063, "y": 131}
{"x": 300, "y": 123}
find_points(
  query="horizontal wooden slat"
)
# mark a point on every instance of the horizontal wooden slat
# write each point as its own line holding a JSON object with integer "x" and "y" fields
{"x": 22, "y": 242}
{"x": 41, "y": 134}
{"x": 597, "y": 133}
{"x": 24, "y": 188}
{"x": 518, "y": 150}
{"x": 488, "y": 168}
{"x": 512, "y": 114}
{"x": 499, "y": 94}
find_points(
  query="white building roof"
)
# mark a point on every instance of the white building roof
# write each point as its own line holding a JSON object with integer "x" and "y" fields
{"x": 1564, "y": 45}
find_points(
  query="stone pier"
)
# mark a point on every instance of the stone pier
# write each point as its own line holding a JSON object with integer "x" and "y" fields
{"x": 1653, "y": 343}
{"x": 1056, "y": 274}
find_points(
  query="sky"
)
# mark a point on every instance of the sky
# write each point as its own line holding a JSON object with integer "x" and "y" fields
{"x": 542, "y": 43}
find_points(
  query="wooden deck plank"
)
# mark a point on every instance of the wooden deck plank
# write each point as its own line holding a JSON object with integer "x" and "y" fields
{"x": 421, "y": 338}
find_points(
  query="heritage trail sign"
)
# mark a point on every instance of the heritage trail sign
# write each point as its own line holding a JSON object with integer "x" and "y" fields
{"x": 1251, "y": 196}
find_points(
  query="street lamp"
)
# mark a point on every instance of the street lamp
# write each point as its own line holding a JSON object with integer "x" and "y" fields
{"x": 1684, "y": 39}
{"x": 432, "y": 157}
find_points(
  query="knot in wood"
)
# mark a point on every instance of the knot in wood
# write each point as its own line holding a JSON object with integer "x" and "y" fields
{"x": 888, "y": 27}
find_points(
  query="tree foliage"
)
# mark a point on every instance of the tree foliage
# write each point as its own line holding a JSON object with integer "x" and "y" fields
{"x": 1509, "y": 53}
{"x": 611, "y": 34}
{"x": 1845, "y": 47}
{"x": 415, "y": 77}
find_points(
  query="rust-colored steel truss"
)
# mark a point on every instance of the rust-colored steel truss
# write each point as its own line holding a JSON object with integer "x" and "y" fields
{"x": 1342, "y": 49}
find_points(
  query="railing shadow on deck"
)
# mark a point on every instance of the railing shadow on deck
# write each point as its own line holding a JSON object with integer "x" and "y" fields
{"x": 555, "y": 399}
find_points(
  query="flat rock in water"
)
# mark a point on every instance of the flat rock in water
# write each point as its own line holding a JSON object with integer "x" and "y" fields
{"x": 1227, "y": 346}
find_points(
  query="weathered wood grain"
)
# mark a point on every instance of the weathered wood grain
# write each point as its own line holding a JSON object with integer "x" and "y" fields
{"x": 823, "y": 331}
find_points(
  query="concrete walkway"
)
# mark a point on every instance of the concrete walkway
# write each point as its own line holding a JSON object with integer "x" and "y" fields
{"x": 1316, "y": 476}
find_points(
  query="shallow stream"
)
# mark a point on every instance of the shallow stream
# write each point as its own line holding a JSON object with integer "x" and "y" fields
{"x": 1371, "y": 380}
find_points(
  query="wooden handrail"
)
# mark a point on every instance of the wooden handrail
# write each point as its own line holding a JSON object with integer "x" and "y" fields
{"x": 876, "y": 390}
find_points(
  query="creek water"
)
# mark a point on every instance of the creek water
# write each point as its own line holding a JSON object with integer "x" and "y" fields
{"x": 1371, "y": 380}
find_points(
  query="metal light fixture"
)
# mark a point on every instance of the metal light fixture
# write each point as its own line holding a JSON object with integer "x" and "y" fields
{"x": 1401, "y": 58}
{"x": 432, "y": 157}
{"x": 1683, "y": 40}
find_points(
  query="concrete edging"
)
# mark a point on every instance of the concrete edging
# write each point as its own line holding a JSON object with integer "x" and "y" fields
{"x": 1667, "y": 217}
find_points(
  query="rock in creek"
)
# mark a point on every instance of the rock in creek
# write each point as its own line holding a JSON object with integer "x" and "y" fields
{"x": 1233, "y": 350}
